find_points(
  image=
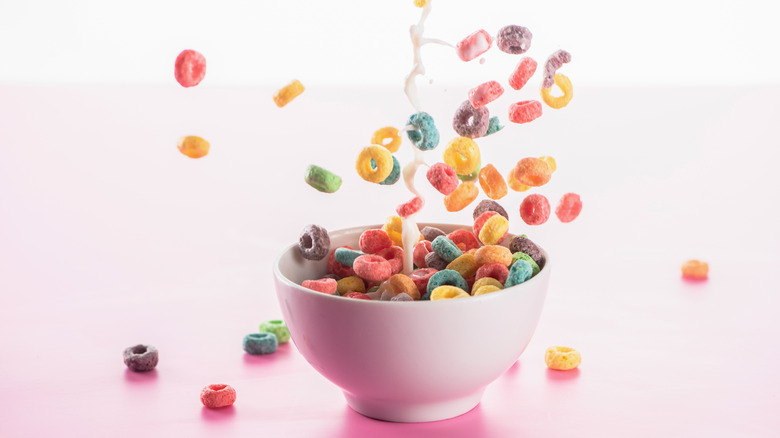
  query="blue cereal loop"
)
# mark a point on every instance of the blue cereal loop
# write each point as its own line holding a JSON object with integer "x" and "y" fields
{"x": 520, "y": 271}
{"x": 523, "y": 256}
{"x": 494, "y": 126}
{"x": 445, "y": 276}
{"x": 426, "y": 136}
{"x": 446, "y": 248}
{"x": 347, "y": 256}
{"x": 260, "y": 343}
{"x": 395, "y": 174}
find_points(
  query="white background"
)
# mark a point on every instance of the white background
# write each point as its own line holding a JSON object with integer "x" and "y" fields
{"x": 262, "y": 42}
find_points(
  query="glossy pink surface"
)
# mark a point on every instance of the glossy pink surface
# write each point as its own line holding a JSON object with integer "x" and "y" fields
{"x": 109, "y": 237}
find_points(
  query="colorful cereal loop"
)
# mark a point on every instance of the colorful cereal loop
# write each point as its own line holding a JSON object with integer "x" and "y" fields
{"x": 382, "y": 135}
{"x": 423, "y": 134}
{"x": 487, "y": 281}
{"x": 395, "y": 174}
{"x": 493, "y": 254}
{"x": 562, "y": 358}
{"x": 492, "y": 182}
{"x": 287, "y": 93}
{"x": 482, "y": 290}
{"x": 513, "y": 184}
{"x": 695, "y": 270}
{"x": 494, "y": 230}
{"x": 558, "y": 102}
{"x": 473, "y": 45}
{"x": 462, "y": 154}
{"x": 464, "y": 195}
{"x": 522, "y": 73}
{"x": 464, "y": 265}
{"x": 377, "y": 170}
{"x": 448, "y": 293}
{"x": 532, "y": 172}
{"x": 394, "y": 227}
{"x": 535, "y": 209}
{"x": 322, "y": 179}
{"x": 350, "y": 284}
{"x": 525, "y": 111}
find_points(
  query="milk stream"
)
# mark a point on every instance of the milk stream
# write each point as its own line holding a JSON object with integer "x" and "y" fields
{"x": 410, "y": 233}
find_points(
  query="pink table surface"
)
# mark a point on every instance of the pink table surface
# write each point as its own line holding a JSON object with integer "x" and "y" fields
{"x": 109, "y": 237}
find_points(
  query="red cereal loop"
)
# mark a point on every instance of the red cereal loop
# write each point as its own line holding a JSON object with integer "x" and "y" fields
{"x": 479, "y": 222}
{"x": 523, "y": 72}
{"x": 421, "y": 250}
{"x": 190, "y": 68}
{"x": 358, "y": 296}
{"x": 324, "y": 285}
{"x": 420, "y": 278}
{"x": 493, "y": 270}
{"x": 372, "y": 241}
{"x": 483, "y": 94}
{"x": 337, "y": 268}
{"x": 525, "y": 111}
{"x": 535, "y": 209}
{"x": 473, "y": 45}
{"x": 395, "y": 256}
{"x": 569, "y": 207}
{"x": 443, "y": 178}
{"x": 464, "y": 240}
{"x": 372, "y": 267}
{"x": 410, "y": 207}
{"x": 217, "y": 396}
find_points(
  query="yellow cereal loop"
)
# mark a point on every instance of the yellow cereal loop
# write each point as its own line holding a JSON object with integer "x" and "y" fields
{"x": 350, "y": 284}
{"x": 562, "y": 358}
{"x": 381, "y": 136}
{"x": 550, "y": 162}
{"x": 193, "y": 146}
{"x": 465, "y": 265}
{"x": 493, "y": 254}
{"x": 485, "y": 290}
{"x": 447, "y": 292}
{"x": 494, "y": 230}
{"x": 514, "y": 184}
{"x": 287, "y": 93}
{"x": 420, "y": 3}
{"x": 393, "y": 227}
{"x": 377, "y": 170}
{"x": 462, "y": 154}
{"x": 558, "y": 102}
{"x": 486, "y": 281}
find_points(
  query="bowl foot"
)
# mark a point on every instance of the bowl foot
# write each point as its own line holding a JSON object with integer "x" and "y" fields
{"x": 405, "y": 412}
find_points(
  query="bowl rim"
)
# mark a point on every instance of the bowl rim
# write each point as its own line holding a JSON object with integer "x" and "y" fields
{"x": 493, "y": 295}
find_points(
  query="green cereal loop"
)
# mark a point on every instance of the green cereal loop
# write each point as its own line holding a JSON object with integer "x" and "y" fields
{"x": 472, "y": 176}
{"x": 523, "y": 256}
{"x": 520, "y": 271}
{"x": 446, "y": 248}
{"x": 277, "y": 327}
{"x": 322, "y": 179}
{"x": 425, "y": 137}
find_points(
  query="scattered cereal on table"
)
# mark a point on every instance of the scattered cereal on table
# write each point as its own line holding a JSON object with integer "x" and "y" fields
{"x": 278, "y": 328}
{"x": 562, "y": 358}
{"x": 260, "y": 343}
{"x": 218, "y": 396}
{"x": 140, "y": 358}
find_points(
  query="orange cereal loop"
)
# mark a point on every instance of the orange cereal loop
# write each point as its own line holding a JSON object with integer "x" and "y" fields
{"x": 400, "y": 283}
{"x": 486, "y": 281}
{"x": 493, "y": 254}
{"x": 562, "y": 358}
{"x": 695, "y": 269}
{"x": 558, "y": 102}
{"x": 492, "y": 182}
{"x": 494, "y": 230}
{"x": 382, "y": 135}
{"x": 462, "y": 154}
{"x": 532, "y": 172}
{"x": 465, "y": 265}
{"x": 193, "y": 146}
{"x": 464, "y": 195}
{"x": 287, "y": 93}
{"x": 374, "y": 163}
{"x": 513, "y": 184}
{"x": 550, "y": 162}
{"x": 420, "y": 3}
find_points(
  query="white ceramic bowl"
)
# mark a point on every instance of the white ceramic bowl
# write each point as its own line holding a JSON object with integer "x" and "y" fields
{"x": 407, "y": 361}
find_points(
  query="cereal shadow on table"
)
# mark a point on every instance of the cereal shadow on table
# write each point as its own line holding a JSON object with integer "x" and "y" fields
{"x": 282, "y": 352}
{"x": 140, "y": 378}
{"x": 562, "y": 376}
{"x": 216, "y": 415}
{"x": 471, "y": 424}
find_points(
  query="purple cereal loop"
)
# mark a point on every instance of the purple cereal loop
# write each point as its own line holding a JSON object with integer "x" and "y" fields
{"x": 489, "y": 205}
{"x": 432, "y": 260}
{"x": 140, "y": 358}
{"x": 471, "y": 122}
{"x": 430, "y": 233}
{"x": 554, "y": 62}
{"x": 514, "y": 39}
{"x": 314, "y": 242}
